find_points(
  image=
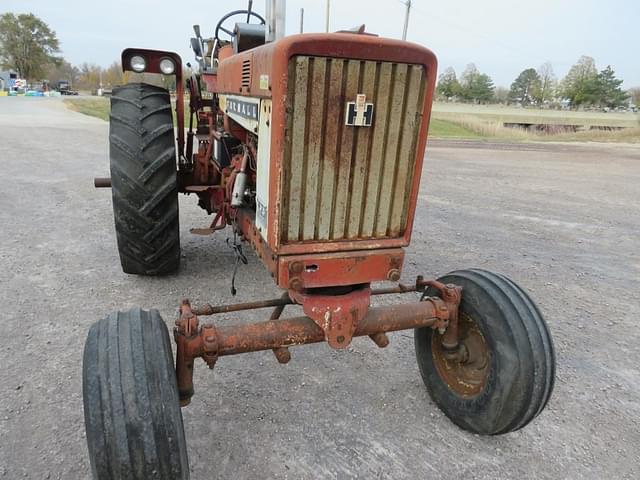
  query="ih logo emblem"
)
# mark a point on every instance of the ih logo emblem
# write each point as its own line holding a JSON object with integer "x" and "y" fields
{"x": 359, "y": 113}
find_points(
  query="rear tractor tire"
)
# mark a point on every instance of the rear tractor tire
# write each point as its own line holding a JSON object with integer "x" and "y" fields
{"x": 506, "y": 375}
{"x": 144, "y": 182}
{"x": 131, "y": 408}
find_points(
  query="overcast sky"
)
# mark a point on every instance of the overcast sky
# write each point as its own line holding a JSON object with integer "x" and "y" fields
{"x": 502, "y": 37}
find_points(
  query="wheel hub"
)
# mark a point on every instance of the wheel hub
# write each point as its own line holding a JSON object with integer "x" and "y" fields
{"x": 467, "y": 372}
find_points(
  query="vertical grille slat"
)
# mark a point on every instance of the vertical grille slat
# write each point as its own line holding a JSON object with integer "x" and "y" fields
{"x": 314, "y": 144}
{"x": 361, "y": 161}
{"x": 298, "y": 128}
{"x": 350, "y": 83}
{"x": 407, "y": 147}
{"x": 380, "y": 132}
{"x": 342, "y": 182}
{"x": 332, "y": 133}
{"x": 391, "y": 150}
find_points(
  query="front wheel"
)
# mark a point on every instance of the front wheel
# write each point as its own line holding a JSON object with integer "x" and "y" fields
{"x": 506, "y": 375}
{"x": 131, "y": 407}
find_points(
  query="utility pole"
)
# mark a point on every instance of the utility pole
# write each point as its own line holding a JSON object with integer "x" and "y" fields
{"x": 328, "y": 12}
{"x": 302, "y": 20}
{"x": 406, "y": 19}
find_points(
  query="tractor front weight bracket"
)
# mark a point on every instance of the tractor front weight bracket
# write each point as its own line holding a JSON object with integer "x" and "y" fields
{"x": 334, "y": 319}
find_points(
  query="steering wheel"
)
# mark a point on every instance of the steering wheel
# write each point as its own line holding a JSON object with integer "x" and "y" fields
{"x": 247, "y": 13}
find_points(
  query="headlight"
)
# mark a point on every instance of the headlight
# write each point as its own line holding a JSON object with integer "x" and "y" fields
{"x": 138, "y": 63}
{"x": 167, "y": 66}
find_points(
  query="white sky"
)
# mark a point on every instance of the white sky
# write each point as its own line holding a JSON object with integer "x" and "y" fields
{"x": 502, "y": 37}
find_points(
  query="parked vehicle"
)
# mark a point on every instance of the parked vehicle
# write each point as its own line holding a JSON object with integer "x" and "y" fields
{"x": 65, "y": 89}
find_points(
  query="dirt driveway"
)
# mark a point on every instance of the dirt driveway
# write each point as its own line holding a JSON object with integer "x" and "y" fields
{"x": 563, "y": 221}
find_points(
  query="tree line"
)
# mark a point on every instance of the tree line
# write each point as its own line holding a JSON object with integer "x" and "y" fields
{"x": 30, "y": 47}
{"x": 583, "y": 86}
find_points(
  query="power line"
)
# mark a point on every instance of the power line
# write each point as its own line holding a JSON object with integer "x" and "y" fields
{"x": 468, "y": 30}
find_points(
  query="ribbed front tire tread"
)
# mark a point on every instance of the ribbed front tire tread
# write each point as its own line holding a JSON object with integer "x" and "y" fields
{"x": 132, "y": 412}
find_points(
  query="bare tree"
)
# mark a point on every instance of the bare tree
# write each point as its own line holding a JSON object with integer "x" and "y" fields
{"x": 113, "y": 75}
{"x": 548, "y": 83}
{"x": 501, "y": 95}
{"x": 62, "y": 71}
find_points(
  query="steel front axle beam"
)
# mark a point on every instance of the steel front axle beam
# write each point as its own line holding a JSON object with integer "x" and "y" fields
{"x": 210, "y": 342}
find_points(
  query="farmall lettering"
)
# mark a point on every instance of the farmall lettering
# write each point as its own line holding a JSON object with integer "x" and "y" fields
{"x": 244, "y": 109}
{"x": 359, "y": 113}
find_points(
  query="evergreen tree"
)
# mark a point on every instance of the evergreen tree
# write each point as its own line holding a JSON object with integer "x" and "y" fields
{"x": 610, "y": 93}
{"x": 475, "y": 86}
{"x": 526, "y": 88}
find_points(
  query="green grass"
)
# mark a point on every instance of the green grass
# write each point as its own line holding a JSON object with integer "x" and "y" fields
{"x": 94, "y": 106}
{"x": 445, "y": 129}
{"x": 98, "y": 107}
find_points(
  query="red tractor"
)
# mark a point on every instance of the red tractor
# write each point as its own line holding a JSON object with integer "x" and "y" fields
{"x": 310, "y": 149}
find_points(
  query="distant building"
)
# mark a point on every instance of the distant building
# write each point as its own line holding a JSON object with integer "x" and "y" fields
{"x": 7, "y": 80}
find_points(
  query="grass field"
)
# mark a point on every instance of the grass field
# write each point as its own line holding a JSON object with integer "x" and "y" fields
{"x": 94, "y": 106}
{"x": 482, "y": 122}
{"x": 501, "y": 113}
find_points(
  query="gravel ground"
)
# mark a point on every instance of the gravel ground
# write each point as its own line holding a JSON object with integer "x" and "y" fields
{"x": 562, "y": 220}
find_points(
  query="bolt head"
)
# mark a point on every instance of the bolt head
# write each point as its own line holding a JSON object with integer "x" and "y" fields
{"x": 295, "y": 284}
{"x": 393, "y": 275}
{"x": 296, "y": 267}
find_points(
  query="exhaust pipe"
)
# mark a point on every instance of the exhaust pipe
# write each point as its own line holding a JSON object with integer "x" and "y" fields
{"x": 276, "y": 22}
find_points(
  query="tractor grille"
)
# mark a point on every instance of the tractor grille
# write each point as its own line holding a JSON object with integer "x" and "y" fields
{"x": 342, "y": 182}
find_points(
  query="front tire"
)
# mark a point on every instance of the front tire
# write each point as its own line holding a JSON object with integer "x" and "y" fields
{"x": 144, "y": 180}
{"x": 131, "y": 408}
{"x": 507, "y": 377}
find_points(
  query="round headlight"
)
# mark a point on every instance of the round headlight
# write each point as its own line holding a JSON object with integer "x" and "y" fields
{"x": 138, "y": 63}
{"x": 167, "y": 66}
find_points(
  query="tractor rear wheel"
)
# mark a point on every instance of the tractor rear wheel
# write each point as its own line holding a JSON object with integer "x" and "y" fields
{"x": 131, "y": 408}
{"x": 144, "y": 180}
{"x": 505, "y": 375}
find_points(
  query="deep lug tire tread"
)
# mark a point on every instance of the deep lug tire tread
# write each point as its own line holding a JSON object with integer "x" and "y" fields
{"x": 144, "y": 179}
{"x": 132, "y": 413}
{"x": 522, "y": 372}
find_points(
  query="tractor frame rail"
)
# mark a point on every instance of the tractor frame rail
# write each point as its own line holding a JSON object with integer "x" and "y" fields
{"x": 209, "y": 342}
